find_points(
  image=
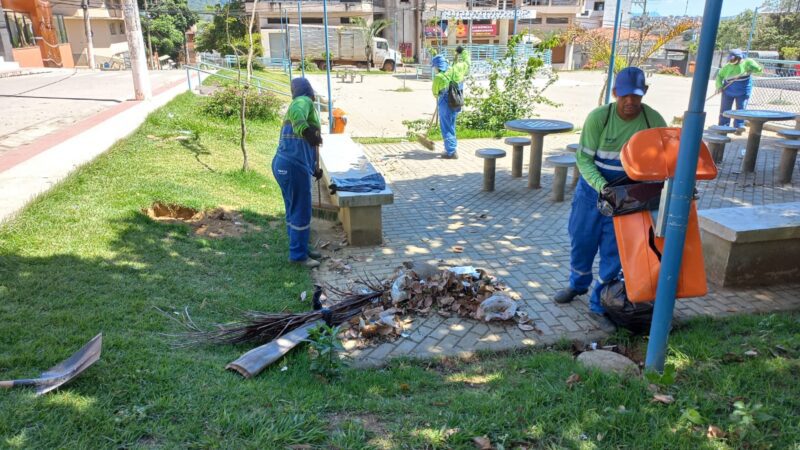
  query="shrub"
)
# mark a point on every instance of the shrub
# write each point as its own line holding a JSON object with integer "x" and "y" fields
{"x": 227, "y": 102}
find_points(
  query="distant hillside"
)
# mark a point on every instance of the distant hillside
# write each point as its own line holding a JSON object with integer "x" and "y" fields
{"x": 203, "y": 5}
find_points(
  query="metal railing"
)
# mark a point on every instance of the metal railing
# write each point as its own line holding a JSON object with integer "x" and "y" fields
{"x": 260, "y": 84}
{"x": 231, "y": 62}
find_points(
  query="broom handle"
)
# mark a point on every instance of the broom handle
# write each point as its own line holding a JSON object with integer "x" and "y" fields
{"x": 316, "y": 169}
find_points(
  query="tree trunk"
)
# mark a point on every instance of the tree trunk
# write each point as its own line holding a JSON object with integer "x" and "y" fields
{"x": 244, "y": 129}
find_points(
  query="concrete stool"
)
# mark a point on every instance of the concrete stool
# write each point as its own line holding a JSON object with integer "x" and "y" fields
{"x": 489, "y": 156}
{"x": 789, "y": 134}
{"x": 788, "y": 158}
{"x": 716, "y": 144}
{"x": 562, "y": 163}
{"x": 518, "y": 144}
{"x": 721, "y": 129}
{"x": 576, "y": 175}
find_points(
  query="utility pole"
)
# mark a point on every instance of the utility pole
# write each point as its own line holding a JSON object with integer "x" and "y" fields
{"x": 469, "y": 31}
{"x": 133, "y": 31}
{"x": 150, "y": 64}
{"x": 88, "y": 27}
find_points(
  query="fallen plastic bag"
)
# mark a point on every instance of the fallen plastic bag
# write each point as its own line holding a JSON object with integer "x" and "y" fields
{"x": 497, "y": 307}
{"x": 635, "y": 317}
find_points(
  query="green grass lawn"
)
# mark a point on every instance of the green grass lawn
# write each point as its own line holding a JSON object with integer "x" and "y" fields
{"x": 84, "y": 259}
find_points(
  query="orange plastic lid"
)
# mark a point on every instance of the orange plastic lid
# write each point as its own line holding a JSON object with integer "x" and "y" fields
{"x": 652, "y": 155}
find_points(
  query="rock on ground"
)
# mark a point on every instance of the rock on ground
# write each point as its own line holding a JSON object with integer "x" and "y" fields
{"x": 610, "y": 362}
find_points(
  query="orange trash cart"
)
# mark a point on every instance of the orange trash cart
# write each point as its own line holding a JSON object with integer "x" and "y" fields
{"x": 652, "y": 155}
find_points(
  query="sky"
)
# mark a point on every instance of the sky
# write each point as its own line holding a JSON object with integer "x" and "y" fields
{"x": 677, "y": 7}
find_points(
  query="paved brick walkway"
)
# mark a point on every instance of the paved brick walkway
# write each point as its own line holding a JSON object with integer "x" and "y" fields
{"x": 520, "y": 236}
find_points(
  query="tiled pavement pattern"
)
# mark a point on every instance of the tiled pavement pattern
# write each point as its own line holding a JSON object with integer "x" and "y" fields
{"x": 520, "y": 236}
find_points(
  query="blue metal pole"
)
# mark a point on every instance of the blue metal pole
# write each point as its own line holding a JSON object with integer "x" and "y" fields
{"x": 752, "y": 30}
{"x": 682, "y": 191}
{"x": 300, "y": 29}
{"x": 327, "y": 64}
{"x": 610, "y": 80}
{"x": 396, "y": 47}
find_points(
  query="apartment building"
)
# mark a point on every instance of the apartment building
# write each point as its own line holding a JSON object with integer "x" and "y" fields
{"x": 41, "y": 33}
{"x": 420, "y": 23}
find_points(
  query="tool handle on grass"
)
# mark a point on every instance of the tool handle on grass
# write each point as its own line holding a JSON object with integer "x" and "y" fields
{"x": 8, "y": 384}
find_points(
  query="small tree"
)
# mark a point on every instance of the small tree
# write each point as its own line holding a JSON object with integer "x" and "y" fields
{"x": 657, "y": 34}
{"x": 369, "y": 32}
{"x": 511, "y": 93}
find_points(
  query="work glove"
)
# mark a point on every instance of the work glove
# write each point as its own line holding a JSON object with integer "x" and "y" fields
{"x": 318, "y": 174}
{"x": 312, "y": 136}
{"x": 608, "y": 194}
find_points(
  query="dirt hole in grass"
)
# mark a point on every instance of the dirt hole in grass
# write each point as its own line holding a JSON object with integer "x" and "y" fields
{"x": 217, "y": 223}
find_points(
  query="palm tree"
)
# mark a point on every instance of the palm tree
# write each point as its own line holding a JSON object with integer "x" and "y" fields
{"x": 369, "y": 31}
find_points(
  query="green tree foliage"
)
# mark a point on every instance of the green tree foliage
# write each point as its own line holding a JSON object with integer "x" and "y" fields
{"x": 227, "y": 32}
{"x": 776, "y": 29}
{"x": 511, "y": 93}
{"x": 166, "y": 21}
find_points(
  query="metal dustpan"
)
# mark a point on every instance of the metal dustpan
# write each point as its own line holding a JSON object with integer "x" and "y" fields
{"x": 63, "y": 372}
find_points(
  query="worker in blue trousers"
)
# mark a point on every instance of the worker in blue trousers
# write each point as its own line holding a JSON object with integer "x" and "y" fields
{"x": 736, "y": 83}
{"x": 605, "y": 131}
{"x": 443, "y": 76}
{"x": 295, "y": 162}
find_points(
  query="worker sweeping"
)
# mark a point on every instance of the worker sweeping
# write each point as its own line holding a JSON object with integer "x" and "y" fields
{"x": 736, "y": 84}
{"x": 295, "y": 162}
{"x": 448, "y": 88}
{"x": 605, "y": 131}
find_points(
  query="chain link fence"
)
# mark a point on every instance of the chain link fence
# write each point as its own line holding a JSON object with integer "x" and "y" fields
{"x": 778, "y": 88}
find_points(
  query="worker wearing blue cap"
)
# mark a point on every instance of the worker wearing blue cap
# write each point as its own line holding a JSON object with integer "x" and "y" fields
{"x": 296, "y": 161}
{"x": 736, "y": 84}
{"x": 605, "y": 131}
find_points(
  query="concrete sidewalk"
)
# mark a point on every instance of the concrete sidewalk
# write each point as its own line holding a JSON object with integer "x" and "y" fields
{"x": 29, "y": 170}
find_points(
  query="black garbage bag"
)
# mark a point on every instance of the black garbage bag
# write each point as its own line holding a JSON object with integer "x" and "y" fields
{"x": 635, "y": 317}
{"x": 629, "y": 197}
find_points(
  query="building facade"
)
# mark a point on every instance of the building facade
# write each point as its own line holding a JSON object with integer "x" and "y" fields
{"x": 38, "y": 33}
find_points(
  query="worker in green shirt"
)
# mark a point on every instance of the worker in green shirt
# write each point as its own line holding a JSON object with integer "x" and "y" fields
{"x": 444, "y": 74}
{"x": 296, "y": 161}
{"x": 736, "y": 84}
{"x": 605, "y": 131}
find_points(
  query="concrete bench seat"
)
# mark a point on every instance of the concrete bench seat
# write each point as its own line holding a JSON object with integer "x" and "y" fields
{"x": 789, "y": 134}
{"x": 518, "y": 146}
{"x": 751, "y": 246}
{"x": 721, "y": 129}
{"x": 716, "y": 144}
{"x": 489, "y": 156}
{"x": 562, "y": 163}
{"x": 359, "y": 212}
{"x": 788, "y": 158}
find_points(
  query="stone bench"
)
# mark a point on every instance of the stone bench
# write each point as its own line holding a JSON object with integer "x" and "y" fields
{"x": 751, "y": 246}
{"x": 789, "y": 134}
{"x": 576, "y": 174}
{"x": 490, "y": 156}
{"x": 788, "y": 158}
{"x": 359, "y": 212}
{"x": 721, "y": 129}
{"x": 562, "y": 163}
{"x": 716, "y": 145}
{"x": 518, "y": 146}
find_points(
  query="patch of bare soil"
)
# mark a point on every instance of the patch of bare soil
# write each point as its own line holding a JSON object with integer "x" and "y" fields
{"x": 214, "y": 223}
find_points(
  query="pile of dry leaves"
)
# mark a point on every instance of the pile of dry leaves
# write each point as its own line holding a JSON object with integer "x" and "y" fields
{"x": 419, "y": 289}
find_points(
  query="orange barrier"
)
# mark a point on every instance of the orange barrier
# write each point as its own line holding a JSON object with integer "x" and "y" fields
{"x": 651, "y": 155}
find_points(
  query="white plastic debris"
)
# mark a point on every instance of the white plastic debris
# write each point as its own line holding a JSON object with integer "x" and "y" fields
{"x": 497, "y": 307}
{"x": 465, "y": 270}
{"x": 399, "y": 293}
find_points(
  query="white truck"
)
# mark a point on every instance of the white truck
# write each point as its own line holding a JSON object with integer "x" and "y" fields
{"x": 346, "y": 45}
